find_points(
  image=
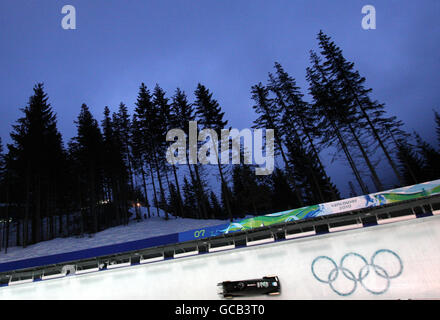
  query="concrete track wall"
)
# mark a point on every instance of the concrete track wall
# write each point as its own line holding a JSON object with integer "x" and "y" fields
{"x": 394, "y": 261}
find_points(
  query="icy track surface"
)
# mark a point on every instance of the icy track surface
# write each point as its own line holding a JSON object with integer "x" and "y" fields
{"x": 394, "y": 261}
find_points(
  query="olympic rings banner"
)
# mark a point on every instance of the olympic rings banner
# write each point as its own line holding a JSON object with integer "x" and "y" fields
{"x": 355, "y": 268}
{"x": 371, "y": 200}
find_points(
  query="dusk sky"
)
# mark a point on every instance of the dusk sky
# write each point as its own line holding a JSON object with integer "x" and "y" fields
{"x": 226, "y": 45}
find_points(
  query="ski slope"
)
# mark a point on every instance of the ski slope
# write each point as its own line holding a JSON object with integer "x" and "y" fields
{"x": 399, "y": 260}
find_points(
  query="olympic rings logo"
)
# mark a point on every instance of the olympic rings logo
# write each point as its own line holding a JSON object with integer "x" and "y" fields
{"x": 375, "y": 283}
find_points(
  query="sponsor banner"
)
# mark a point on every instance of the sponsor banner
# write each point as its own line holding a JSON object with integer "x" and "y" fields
{"x": 202, "y": 233}
{"x": 372, "y": 200}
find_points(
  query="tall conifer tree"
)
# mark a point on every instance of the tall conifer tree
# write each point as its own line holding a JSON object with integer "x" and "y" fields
{"x": 352, "y": 87}
{"x": 36, "y": 153}
{"x": 210, "y": 116}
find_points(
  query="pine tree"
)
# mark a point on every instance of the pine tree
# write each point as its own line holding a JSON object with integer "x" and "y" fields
{"x": 162, "y": 121}
{"x": 210, "y": 116}
{"x": 122, "y": 123}
{"x": 5, "y": 187}
{"x": 2, "y": 167}
{"x": 407, "y": 155}
{"x": 347, "y": 117}
{"x": 282, "y": 194}
{"x": 138, "y": 159}
{"x": 6, "y": 180}
{"x": 437, "y": 129}
{"x": 431, "y": 159}
{"x": 183, "y": 113}
{"x": 190, "y": 199}
{"x": 249, "y": 195}
{"x": 332, "y": 111}
{"x": 108, "y": 164}
{"x": 114, "y": 165}
{"x": 146, "y": 128}
{"x": 391, "y": 129}
{"x": 171, "y": 118}
{"x": 89, "y": 142}
{"x": 297, "y": 123}
{"x": 351, "y": 86}
{"x": 269, "y": 118}
{"x": 309, "y": 174}
{"x": 353, "y": 192}
{"x": 35, "y": 154}
{"x": 215, "y": 205}
{"x": 173, "y": 201}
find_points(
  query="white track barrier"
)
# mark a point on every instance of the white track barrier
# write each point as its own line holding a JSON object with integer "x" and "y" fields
{"x": 402, "y": 258}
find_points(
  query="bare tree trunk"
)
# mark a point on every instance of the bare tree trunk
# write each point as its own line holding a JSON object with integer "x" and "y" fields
{"x": 374, "y": 176}
{"x": 373, "y": 128}
{"x": 318, "y": 159}
{"x": 312, "y": 173}
{"x": 68, "y": 223}
{"x": 36, "y": 226}
{"x": 7, "y": 231}
{"x": 279, "y": 143}
{"x": 2, "y": 238}
{"x": 179, "y": 195}
{"x": 116, "y": 197}
{"x": 342, "y": 142}
{"x": 130, "y": 172}
{"x": 289, "y": 172}
{"x": 145, "y": 190}
{"x": 93, "y": 201}
{"x": 350, "y": 159}
{"x": 154, "y": 190}
{"x": 81, "y": 215}
{"x": 201, "y": 192}
{"x": 224, "y": 185}
{"x": 7, "y": 214}
{"x": 194, "y": 182}
{"x": 60, "y": 226}
{"x": 161, "y": 189}
{"x": 51, "y": 214}
{"x": 17, "y": 233}
{"x": 27, "y": 208}
{"x": 405, "y": 160}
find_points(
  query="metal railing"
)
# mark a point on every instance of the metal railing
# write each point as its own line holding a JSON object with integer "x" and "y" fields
{"x": 366, "y": 217}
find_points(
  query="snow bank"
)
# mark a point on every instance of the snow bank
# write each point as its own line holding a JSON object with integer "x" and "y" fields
{"x": 147, "y": 228}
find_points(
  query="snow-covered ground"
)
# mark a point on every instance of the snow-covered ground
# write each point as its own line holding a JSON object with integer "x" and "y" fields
{"x": 147, "y": 228}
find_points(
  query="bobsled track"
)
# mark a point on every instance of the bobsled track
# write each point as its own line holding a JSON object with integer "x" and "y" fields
{"x": 398, "y": 260}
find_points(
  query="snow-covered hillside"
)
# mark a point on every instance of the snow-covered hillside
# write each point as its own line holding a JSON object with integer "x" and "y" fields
{"x": 147, "y": 228}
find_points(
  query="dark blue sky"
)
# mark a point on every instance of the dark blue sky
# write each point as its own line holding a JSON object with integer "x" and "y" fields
{"x": 227, "y": 45}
